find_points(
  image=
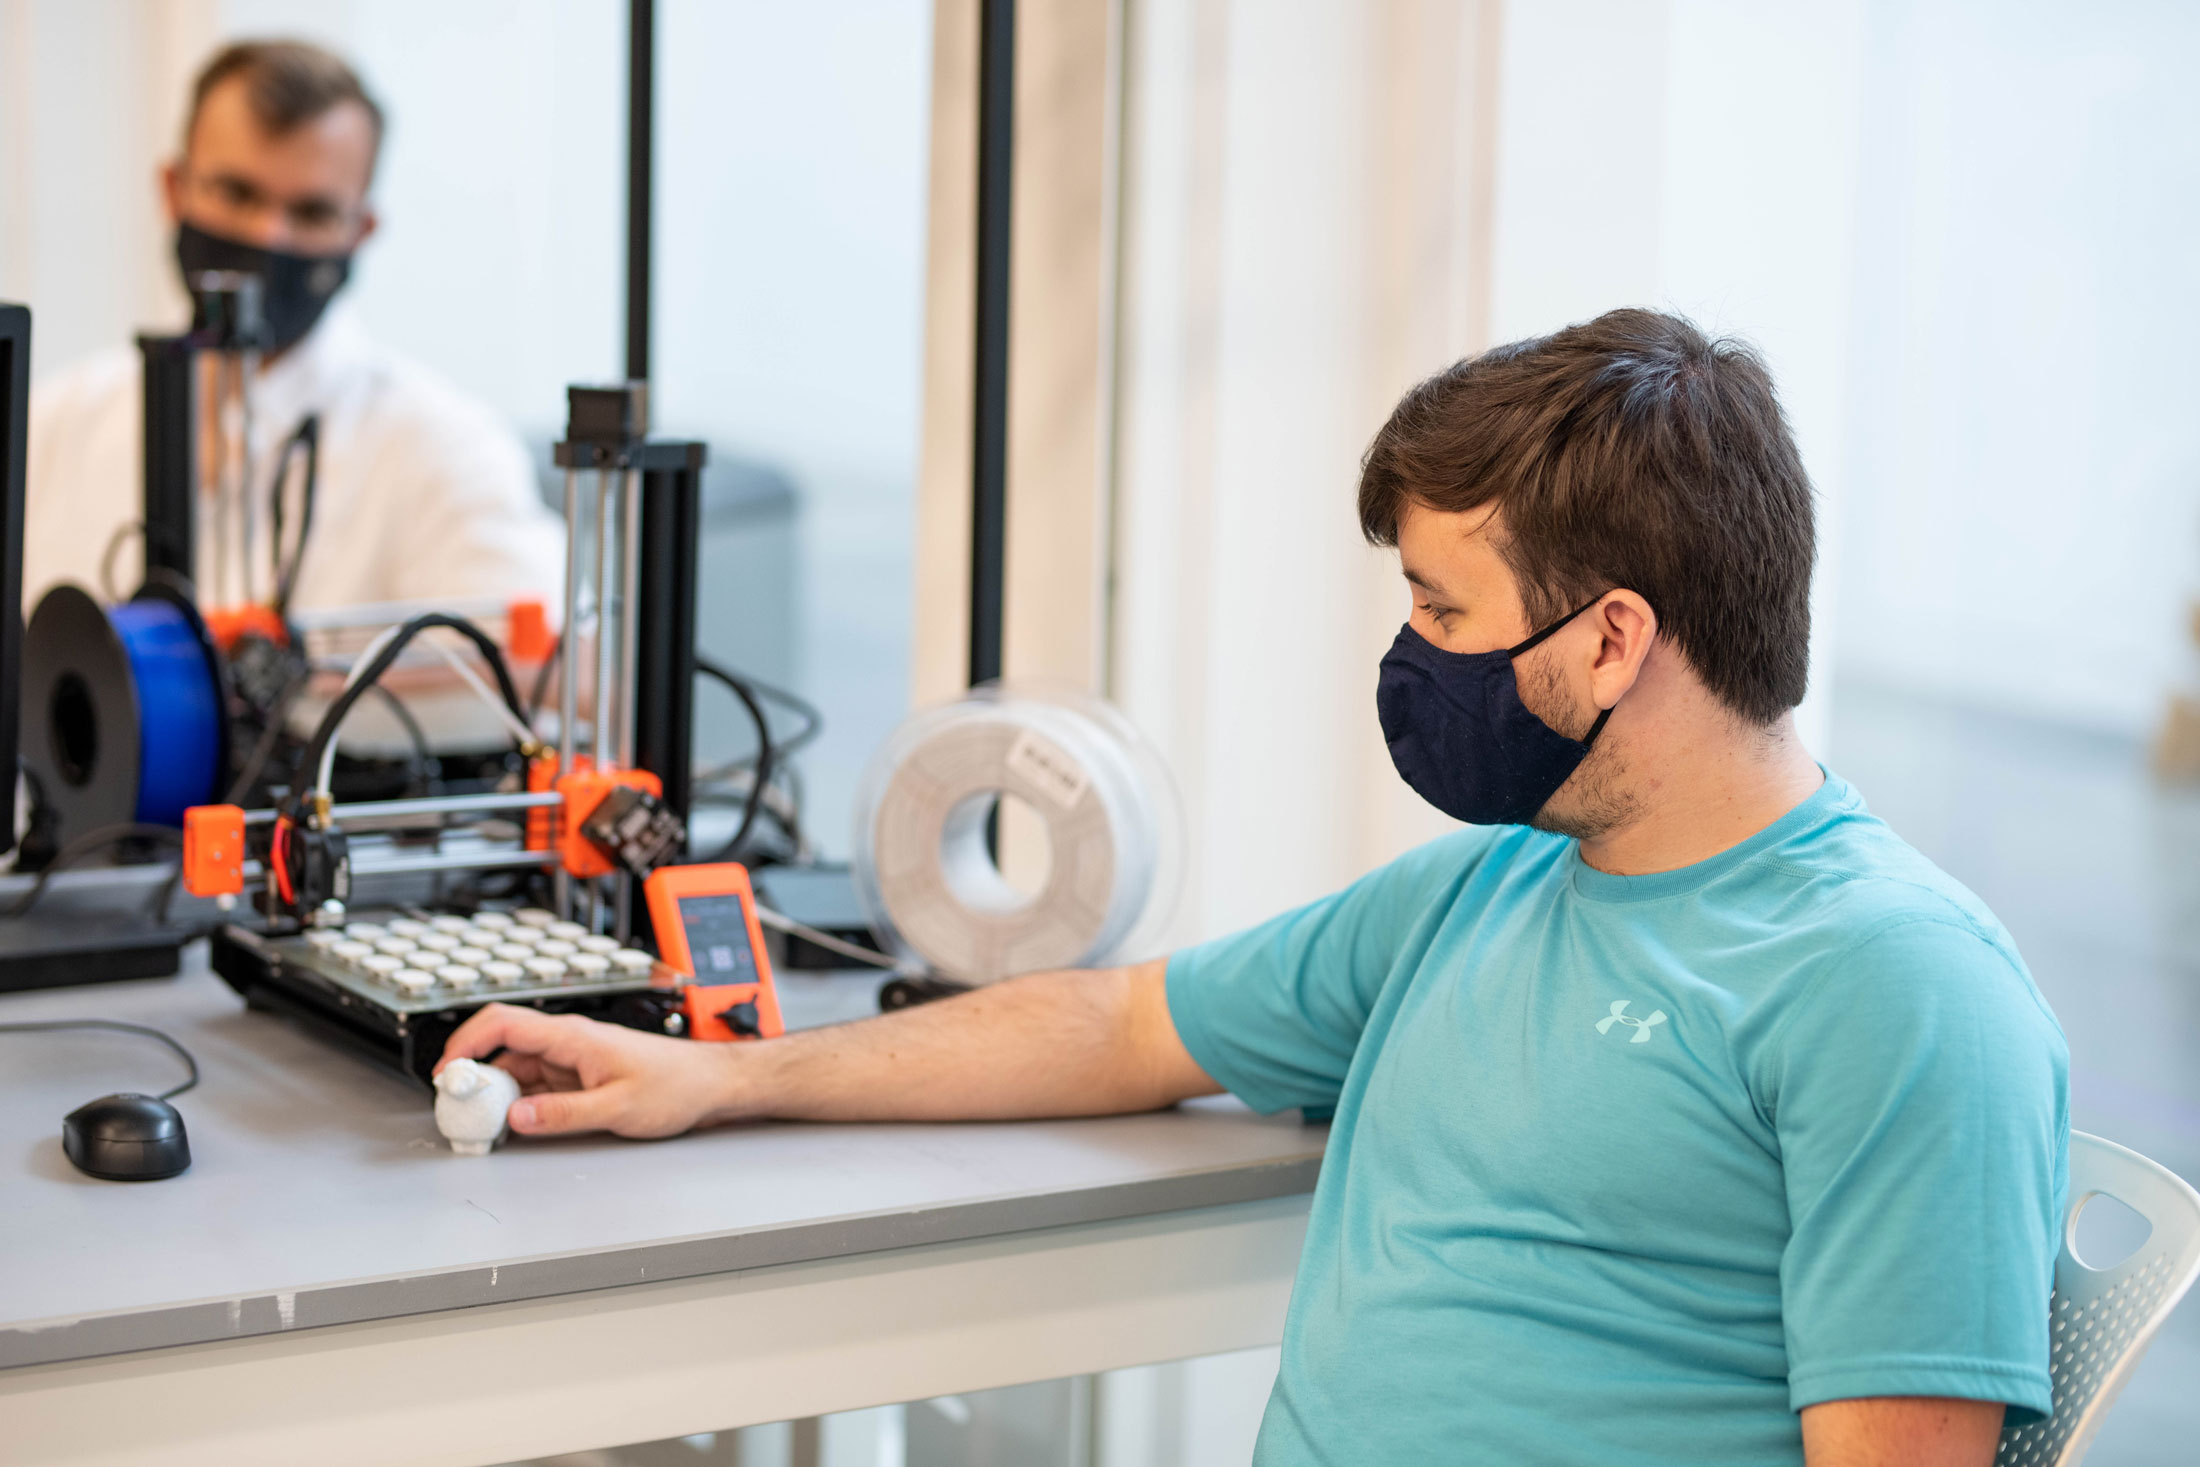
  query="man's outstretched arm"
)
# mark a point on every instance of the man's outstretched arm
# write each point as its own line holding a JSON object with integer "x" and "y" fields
{"x": 1051, "y": 1044}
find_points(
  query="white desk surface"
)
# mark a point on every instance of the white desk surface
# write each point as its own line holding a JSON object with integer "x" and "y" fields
{"x": 320, "y": 1192}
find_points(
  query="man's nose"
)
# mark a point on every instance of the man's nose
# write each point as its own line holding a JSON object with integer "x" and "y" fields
{"x": 269, "y": 228}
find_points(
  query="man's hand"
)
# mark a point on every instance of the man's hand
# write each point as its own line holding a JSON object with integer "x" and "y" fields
{"x": 1050, "y": 1044}
{"x": 578, "y": 1075}
{"x": 1901, "y": 1431}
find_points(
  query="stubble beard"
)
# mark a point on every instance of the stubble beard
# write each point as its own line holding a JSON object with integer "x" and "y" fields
{"x": 1597, "y": 798}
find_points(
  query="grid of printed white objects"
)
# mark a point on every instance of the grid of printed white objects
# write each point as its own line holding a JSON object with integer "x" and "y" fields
{"x": 529, "y": 948}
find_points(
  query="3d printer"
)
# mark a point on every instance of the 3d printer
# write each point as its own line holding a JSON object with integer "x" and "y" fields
{"x": 376, "y": 911}
{"x": 598, "y": 811}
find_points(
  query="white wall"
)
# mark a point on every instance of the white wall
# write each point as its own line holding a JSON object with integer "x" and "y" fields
{"x": 1697, "y": 156}
{"x": 2024, "y": 515}
{"x": 80, "y": 131}
{"x": 1959, "y": 232}
{"x": 1318, "y": 194}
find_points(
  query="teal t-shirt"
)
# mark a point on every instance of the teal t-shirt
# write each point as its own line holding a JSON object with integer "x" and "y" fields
{"x": 1631, "y": 1169}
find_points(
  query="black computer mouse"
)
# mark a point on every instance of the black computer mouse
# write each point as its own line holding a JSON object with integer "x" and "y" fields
{"x": 126, "y": 1138}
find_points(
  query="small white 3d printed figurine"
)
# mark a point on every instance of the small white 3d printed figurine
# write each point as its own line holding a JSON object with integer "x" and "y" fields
{"x": 471, "y": 1101}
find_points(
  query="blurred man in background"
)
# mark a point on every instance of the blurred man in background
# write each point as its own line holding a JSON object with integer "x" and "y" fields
{"x": 422, "y": 493}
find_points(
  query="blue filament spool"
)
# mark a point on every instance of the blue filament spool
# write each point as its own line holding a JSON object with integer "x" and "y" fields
{"x": 125, "y": 715}
{"x": 179, "y": 706}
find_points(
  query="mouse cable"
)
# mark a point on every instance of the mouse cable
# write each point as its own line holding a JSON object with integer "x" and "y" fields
{"x": 49, "y": 1025}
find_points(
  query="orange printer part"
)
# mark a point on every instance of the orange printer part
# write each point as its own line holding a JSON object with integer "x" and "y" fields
{"x": 228, "y": 625}
{"x": 542, "y": 777}
{"x": 213, "y": 850}
{"x": 527, "y": 636}
{"x": 582, "y": 791}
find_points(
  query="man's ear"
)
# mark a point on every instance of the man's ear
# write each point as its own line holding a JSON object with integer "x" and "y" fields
{"x": 171, "y": 190}
{"x": 1626, "y": 626}
{"x": 369, "y": 222}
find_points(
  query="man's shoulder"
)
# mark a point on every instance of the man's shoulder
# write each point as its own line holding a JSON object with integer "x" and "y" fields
{"x": 402, "y": 390}
{"x": 1849, "y": 872}
{"x": 1508, "y": 853}
{"x": 1871, "y": 920}
{"x": 91, "y": 384}
{"x": 422, "y": 428}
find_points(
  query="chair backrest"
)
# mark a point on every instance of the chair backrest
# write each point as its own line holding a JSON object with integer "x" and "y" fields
{"x": 2104, "y": 1318}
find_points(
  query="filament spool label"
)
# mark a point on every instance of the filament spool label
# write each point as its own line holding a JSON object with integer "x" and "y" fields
{"x": 1035, "y": 761}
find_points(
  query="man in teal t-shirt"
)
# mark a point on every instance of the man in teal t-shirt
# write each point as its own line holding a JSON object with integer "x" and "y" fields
{"x": 1630, "y": 1169}
{"x": 1683, "y": 1115}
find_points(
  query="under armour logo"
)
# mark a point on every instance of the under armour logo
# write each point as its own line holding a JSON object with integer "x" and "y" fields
{"x": 1619, "y": 1015}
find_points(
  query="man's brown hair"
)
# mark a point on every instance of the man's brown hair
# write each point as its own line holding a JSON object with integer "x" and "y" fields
{"x": 286, "y": 83}
{"x": 1628, "y": 452}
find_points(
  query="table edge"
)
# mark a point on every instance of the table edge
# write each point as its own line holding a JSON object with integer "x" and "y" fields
{"x": 119, "y": 1332}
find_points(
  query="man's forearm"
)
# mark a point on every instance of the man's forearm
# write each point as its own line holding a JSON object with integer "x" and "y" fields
{"x": 1051, "y": 1044}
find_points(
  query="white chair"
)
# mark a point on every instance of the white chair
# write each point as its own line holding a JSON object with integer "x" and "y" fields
{"x": 2104, "y": 1318}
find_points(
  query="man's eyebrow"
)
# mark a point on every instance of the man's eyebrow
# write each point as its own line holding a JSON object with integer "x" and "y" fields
{"x": 1424, "y": 582}
{"x": 225, "y": 178}
{"x": 329, "y": 202}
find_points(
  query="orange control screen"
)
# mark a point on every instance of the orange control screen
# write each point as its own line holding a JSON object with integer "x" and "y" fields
{"x": 705, "y": 921}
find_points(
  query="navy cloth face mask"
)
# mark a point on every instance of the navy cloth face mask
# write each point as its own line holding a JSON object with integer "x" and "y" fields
{"x": 294, "y": 289}
{"x": 1462, "y": 738}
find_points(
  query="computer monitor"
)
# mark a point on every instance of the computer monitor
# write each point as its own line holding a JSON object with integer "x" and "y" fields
{"x": 15, "y": 414}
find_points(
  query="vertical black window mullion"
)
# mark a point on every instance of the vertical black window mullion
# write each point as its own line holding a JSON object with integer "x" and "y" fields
{"x": 989, "y": 449}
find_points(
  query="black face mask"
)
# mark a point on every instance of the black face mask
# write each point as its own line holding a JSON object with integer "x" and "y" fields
{"x": 1462, "y": 738}
{"x": 294, "y": 289}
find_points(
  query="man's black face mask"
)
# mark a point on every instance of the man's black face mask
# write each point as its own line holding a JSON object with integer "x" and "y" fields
{"x": 294, "y": 289}
{"x": 1462, "y": 738}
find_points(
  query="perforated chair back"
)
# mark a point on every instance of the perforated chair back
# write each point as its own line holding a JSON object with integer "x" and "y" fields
{"x": 2104, "y": 1318}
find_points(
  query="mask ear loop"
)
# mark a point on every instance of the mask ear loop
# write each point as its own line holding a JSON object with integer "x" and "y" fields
{"x": 1539, "y": 638}
{"x": 1596, "y": 728}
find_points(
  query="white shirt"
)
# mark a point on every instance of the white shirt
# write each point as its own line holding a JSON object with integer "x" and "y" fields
{"x": 424, "y": 494}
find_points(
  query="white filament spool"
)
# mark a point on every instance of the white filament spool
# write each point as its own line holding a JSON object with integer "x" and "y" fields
{"x": 930, "y": 883}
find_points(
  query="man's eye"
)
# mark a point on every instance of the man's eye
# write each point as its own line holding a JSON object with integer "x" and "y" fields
{"x": 314, "y": 216}
{"x": 1441, "y": 614}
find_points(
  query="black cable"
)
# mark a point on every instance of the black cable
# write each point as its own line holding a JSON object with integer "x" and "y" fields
{"x": 782, "y": 803}
{"x": 793, "y": 821}
{"x": 774, "y": 842}
{"x": 167, "y": 897}
{"x": 423, "y": 758}
{"x": 813, "y": 720}
{"x": 541, "y": 689}
{"x": 308, "y": 437}
{"x": 37, "y": 847}
{"x": 782, "y": 748}
{"x": 764, "y": 753}
{"x": 115, "y": 541}
{"x": 47, "y": 1026}
{"x": 371, "y": 674}
{"x": 76, "y": 850}
{"x": 277, "y": 718}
